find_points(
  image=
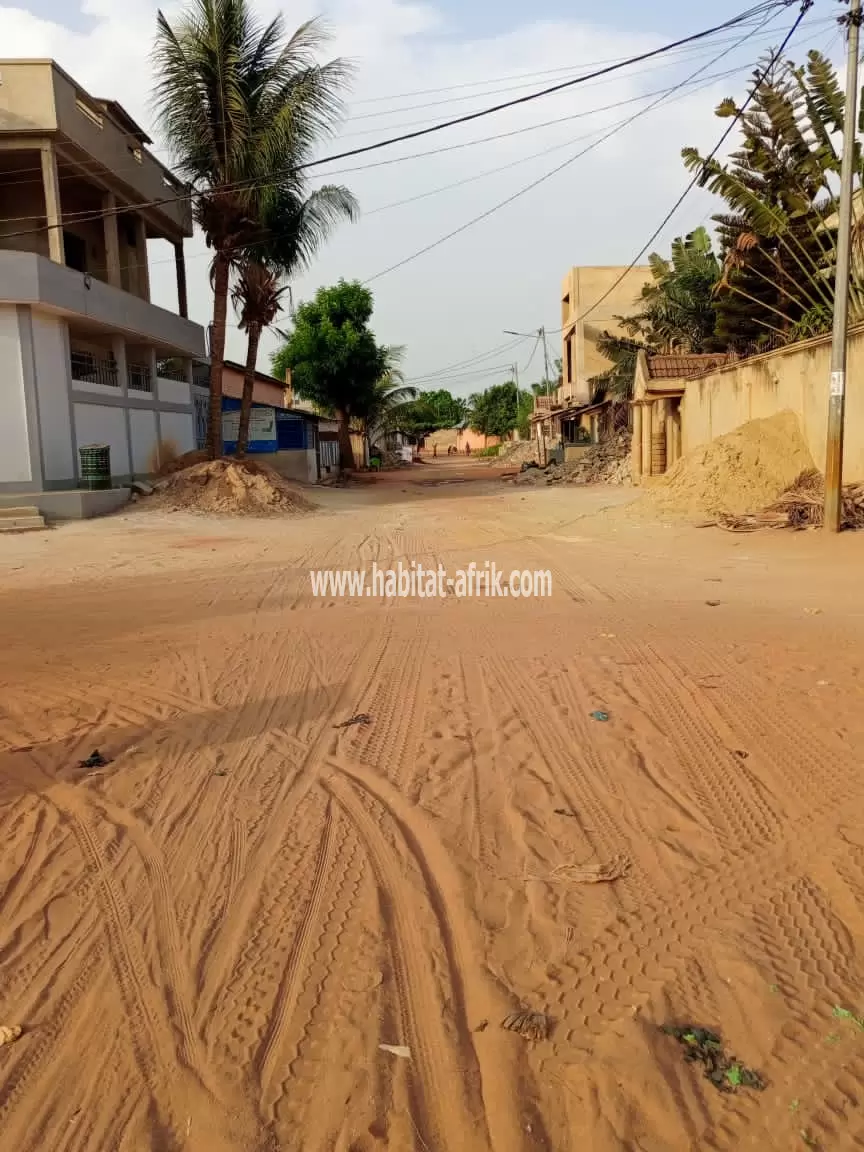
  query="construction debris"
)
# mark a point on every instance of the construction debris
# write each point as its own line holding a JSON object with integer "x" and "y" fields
{"x": 9, "y": 1032}
{"x": 94, "y": 760}
{"x": 724, "y": 1071}
{"x": 362, "y": 718}
{"x": 800, "y": 506}
{"x": 532, "y": 1025}
{"x": 400, "y": 1050}
{"x": 604, "y": 463}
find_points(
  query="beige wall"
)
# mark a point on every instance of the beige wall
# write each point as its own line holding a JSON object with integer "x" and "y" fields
{"x": 794, "y": 379}
{"x": 581, "y": 288}
{"x": 262, "y": 392}
{"x": 38, "y": 98}
{"x": 27, "y": 97}
{"x": 22, "y": 206}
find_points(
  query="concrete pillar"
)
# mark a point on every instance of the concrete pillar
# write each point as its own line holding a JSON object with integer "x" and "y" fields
{"x": 647, "y": 428}
{"x": 53, "y": 212}
{"x": 141, "y": 252}
{"x": 112, "y": 239}
{"x": 118, "y": 350}
{"x": 151, "y": 361}
{"x": 674, "y": 424}
{"x": 180, "y": 264}
{"x": 636, "y": 443}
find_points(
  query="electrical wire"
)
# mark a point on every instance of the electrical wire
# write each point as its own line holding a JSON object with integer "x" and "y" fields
{"x": 236, "y": 186}
{"x": 85, "y": 166}
{"x": 546, "y": 175}
{"x": 805, "y": 7}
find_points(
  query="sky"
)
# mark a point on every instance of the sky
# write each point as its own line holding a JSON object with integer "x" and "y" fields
{"x": 417, "y": 63}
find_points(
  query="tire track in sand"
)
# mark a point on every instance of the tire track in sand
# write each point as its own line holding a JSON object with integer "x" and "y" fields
{"x": 233, "y": 929}
{"x": 487, "y": 1061}
{"x": 289, "y": 989}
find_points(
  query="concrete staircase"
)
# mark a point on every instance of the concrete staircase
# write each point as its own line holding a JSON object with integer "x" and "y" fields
{"x": 20, "y": 519}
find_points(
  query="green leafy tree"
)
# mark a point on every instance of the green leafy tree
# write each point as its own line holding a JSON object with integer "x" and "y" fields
{"x": 334, "y": 358}
{"x": 240, "y": 107}
{"x": 495, "y": 411}
{"x": 778, "y": 243}
{"x": 617, "y": 381}
{"x": 676, "y": 309}
{"x": 431, "y": 411}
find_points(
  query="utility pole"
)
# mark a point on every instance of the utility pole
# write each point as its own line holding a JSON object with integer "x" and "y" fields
{"x": 516, "y": 382}
{"x": 542, "y": 335}
{"x": 837, "y": 390}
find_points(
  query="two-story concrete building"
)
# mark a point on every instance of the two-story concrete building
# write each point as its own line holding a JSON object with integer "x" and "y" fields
{"x": 591, "y": 300}
{"x": 85, "y": 357}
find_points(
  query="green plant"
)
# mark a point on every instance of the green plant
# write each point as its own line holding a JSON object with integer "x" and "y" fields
{"x": 778, "y": 236}
{"x": 336, "y": 362}
{"x": 240, "y": 106}
{"x": 489, "y": 450}
{"x": 845, "y": 1014}
{"x": 495, "y": 412}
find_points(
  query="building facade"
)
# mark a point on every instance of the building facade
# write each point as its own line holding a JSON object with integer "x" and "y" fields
{"x": 85, "y": 357}
{"x": 586, "y": 313}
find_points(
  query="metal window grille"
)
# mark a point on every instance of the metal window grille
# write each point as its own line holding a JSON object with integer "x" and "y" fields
{"x": 139, "y": 377}
{"x": 90, "y": 369}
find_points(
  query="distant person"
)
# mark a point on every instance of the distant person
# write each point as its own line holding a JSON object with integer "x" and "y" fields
{"x": 434, "y": 451}
{"x": 467, "y": 449}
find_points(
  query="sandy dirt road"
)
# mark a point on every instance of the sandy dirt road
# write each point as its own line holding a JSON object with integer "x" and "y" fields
{"x": 208, "y": 939}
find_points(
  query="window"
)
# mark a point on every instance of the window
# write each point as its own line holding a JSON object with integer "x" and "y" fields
{"x": 92, "y": 115}
{"x": 76, "y": 251}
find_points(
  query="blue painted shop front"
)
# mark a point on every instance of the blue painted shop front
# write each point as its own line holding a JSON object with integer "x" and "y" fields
{"x": 270, "y": 429}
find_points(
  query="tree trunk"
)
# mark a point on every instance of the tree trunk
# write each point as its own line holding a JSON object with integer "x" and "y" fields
{"x": 346, "y": 453}
{"x": 221, "y": 270}
{"x": 248, "y": 386}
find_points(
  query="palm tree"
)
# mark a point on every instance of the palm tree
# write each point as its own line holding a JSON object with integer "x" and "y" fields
{"x": 289, "y": 240}
{"x": 677, "y": 309}
{"x": 257, "y": 295}
{"x": 238, "y": 105}
{"x": 390, "y": 396}
{"x": 778, "y": 244}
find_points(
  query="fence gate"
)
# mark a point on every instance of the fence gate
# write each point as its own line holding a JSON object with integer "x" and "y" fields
{"x": 201, "y": 409}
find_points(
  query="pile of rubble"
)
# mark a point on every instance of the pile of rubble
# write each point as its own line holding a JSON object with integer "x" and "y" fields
{"x": 516, "y": 453}
{"x": 606, "y": 463}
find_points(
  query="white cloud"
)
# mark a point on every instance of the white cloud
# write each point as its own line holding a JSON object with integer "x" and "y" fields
{"x": 503, "y": 273}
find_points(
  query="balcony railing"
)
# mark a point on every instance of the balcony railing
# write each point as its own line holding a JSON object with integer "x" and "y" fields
{"x": 139, "y": 377}
{"x": 545, "y": 403}
{"x": 91, "y": 369}
{"x": 168, "y": 370}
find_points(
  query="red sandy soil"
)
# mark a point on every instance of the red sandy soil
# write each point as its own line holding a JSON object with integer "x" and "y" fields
{"x": 207, "y": 940}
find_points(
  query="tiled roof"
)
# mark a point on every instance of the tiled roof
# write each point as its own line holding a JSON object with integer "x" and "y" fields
{"x": 674, "y": 367}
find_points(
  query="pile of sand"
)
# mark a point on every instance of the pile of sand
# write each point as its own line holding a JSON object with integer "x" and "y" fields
{"x": 743, "y": 471}
{"x": 230, "y": 487}
{"x": 173, "y": 464}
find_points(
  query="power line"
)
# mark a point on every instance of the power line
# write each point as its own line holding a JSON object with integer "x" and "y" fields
{"x": 236, "y": 186}
{"x": 546, "y": 175}
{"x": 134, "y": 166}
{"x": 805, "y": 7}
{"x": 707, "y": 82}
